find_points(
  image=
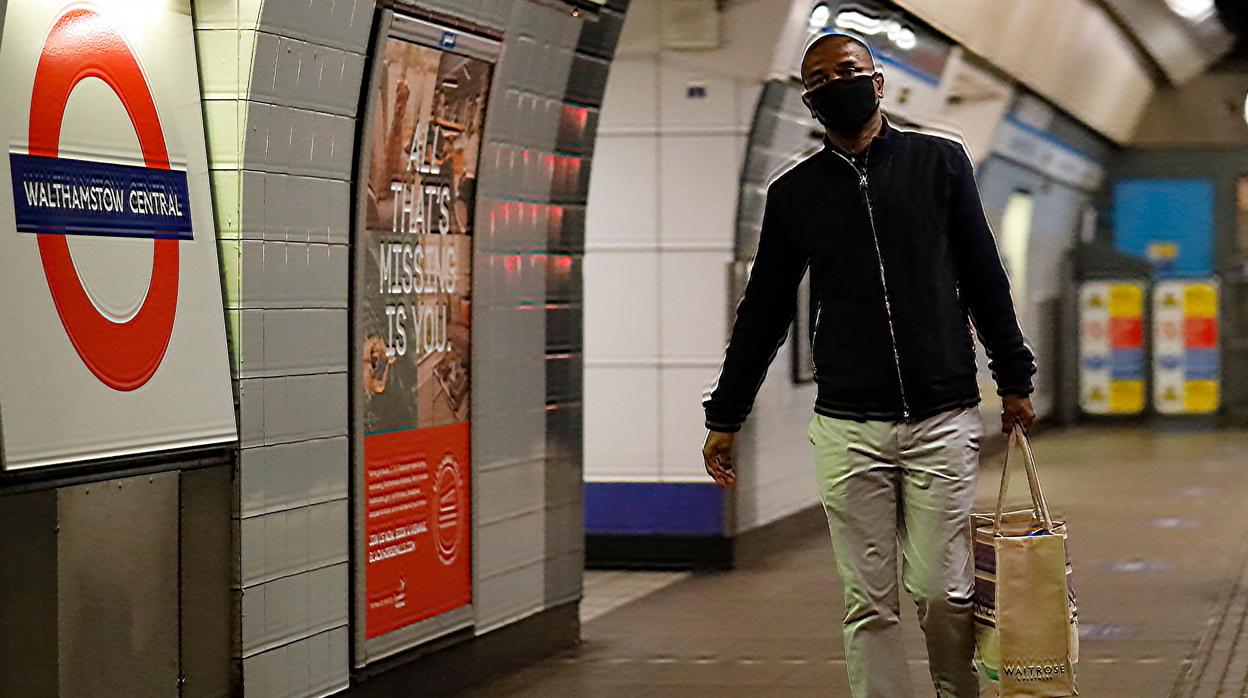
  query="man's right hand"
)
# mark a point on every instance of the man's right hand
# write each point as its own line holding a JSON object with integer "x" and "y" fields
{"x": 717, "y": 452}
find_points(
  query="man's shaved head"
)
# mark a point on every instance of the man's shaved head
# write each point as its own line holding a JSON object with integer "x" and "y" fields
{"x": 835, "y": 54}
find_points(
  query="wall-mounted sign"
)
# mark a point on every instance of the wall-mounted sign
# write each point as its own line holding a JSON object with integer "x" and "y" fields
{"x": 412, "y": 341}
{"x": 1035, "y": 148}
{"x": 1111, "y": 347}
{"x": 1186, "y": 373}
{"x": 1169, "y": 222}
{"x": 114, "y": 334}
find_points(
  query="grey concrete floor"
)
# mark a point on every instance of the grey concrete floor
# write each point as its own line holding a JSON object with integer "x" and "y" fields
{"x": 1158, "y": 522}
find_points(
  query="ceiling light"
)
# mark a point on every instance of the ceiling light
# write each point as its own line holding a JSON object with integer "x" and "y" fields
{"x": 857, "y": 21}
{"x": 1195, "y": 10}
{"x": 900, "y": 35}
{"x": 819, "y": 16}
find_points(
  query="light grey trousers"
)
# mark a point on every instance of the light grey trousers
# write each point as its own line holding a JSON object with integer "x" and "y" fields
{"x": 887, "y": 486}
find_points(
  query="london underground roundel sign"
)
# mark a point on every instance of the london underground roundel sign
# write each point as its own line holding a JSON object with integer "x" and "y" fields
{"x": 55, "y": 197}
{"x": 114, "y": 340}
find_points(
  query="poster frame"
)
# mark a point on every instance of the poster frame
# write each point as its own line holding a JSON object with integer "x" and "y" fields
{"x": 394, "y": 25}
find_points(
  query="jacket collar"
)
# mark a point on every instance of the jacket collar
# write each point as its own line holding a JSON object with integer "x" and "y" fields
{"x": 879, "y": 146}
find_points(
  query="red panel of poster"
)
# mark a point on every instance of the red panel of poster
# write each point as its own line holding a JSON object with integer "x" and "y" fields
{"x": 418, "y": 525}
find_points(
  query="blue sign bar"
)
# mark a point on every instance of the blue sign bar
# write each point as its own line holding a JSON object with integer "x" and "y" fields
{"x": 82, "y": 197}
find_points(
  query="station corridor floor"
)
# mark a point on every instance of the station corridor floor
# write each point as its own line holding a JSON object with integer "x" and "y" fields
{"x": 1158, "y": 524}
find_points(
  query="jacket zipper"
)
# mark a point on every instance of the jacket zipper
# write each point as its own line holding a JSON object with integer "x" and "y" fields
{"x": 888, "y": 308}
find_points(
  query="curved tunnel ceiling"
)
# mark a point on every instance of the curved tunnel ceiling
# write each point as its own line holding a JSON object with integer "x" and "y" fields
{"x": 1181, "y": 38}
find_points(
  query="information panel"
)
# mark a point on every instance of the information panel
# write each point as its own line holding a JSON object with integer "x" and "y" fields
{"x": 412, "y": 303}
{"x": 113, "y": 340}
{"x": 1186, "y": 374}
{"x": 1111, "y": 347}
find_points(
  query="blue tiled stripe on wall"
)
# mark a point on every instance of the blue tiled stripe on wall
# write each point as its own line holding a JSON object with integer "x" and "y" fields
{"x": 654, "y": 508}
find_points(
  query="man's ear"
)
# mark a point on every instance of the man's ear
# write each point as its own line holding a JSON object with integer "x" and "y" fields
{"x": 878, "y": 79}
{"x": 809, "y": 106}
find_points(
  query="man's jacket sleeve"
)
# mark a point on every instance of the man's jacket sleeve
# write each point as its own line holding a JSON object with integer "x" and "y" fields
{"x": 984, "y": 286}
{"x": 762, "y": 321}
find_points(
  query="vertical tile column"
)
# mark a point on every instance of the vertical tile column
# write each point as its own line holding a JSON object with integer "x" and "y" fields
{"x": 522, "y": 179}
{"x": 565, "y": 356}
{"x": 281, "y": 84}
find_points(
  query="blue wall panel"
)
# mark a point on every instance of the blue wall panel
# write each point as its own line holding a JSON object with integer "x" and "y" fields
{"x": 1151, "y": 214}
{"x": 654, "y": 508}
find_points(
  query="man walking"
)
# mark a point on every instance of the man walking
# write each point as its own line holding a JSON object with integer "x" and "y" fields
{"x": 902, "y": 263}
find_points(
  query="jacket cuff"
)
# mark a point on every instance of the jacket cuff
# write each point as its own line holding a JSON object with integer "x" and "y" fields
{"x": 1016, "y": 390}
{"x": 720, "y": 426}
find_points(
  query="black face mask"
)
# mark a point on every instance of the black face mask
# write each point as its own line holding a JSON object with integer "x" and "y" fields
{"x": 844, "y": 105}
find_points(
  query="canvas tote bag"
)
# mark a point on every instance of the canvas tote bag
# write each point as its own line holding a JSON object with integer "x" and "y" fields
{"x": 1026, "y": 621}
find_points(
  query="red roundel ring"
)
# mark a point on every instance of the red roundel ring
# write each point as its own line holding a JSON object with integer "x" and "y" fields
{"x": 124, "y": 356}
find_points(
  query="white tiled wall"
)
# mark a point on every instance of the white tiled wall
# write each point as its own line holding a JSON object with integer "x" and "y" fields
{"x": 777, "y": 477}
{"x": 694, "y": 297}
{"x": 621, "y": 287}
{"x": 663, "y": 201}
{"x": 623, "y": 213}
{"x": 662, "y": 206}
{"x": 621, "y": 421}
{"x": 281, "y": 84}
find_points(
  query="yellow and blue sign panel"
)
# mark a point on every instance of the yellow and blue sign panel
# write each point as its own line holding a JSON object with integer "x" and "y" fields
{"x": 1111, "y": 347}
{"x": 1186, "y": 365}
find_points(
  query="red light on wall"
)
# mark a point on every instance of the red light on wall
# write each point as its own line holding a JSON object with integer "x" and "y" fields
{"x": 579, "y": 115}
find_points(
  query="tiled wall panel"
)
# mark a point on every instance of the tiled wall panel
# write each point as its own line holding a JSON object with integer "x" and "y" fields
{"x": 661, "y": 226}
{"x": 282, "y": 82}
{"x": 518, "y": 188}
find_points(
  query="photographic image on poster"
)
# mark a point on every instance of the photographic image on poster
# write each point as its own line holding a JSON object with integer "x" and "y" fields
{"x": 413, "y": 328}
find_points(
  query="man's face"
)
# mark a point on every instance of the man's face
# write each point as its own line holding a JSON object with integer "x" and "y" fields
{"x": 839, "y": 59}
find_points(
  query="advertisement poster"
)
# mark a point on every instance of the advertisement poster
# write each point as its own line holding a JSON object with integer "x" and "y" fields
{"x": 413, "y": 304}
{"x": 114, "y": 338}
{"x": 1111, "y": 347}
{"x": 1186, "y": 372}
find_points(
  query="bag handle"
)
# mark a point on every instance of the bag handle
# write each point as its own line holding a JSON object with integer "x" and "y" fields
{"x": 1005, "y": 483}
{"x": 1039, "y": 504}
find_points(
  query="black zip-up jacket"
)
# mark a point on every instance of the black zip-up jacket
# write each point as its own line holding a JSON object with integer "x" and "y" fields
{"x": 902, "y": 262}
